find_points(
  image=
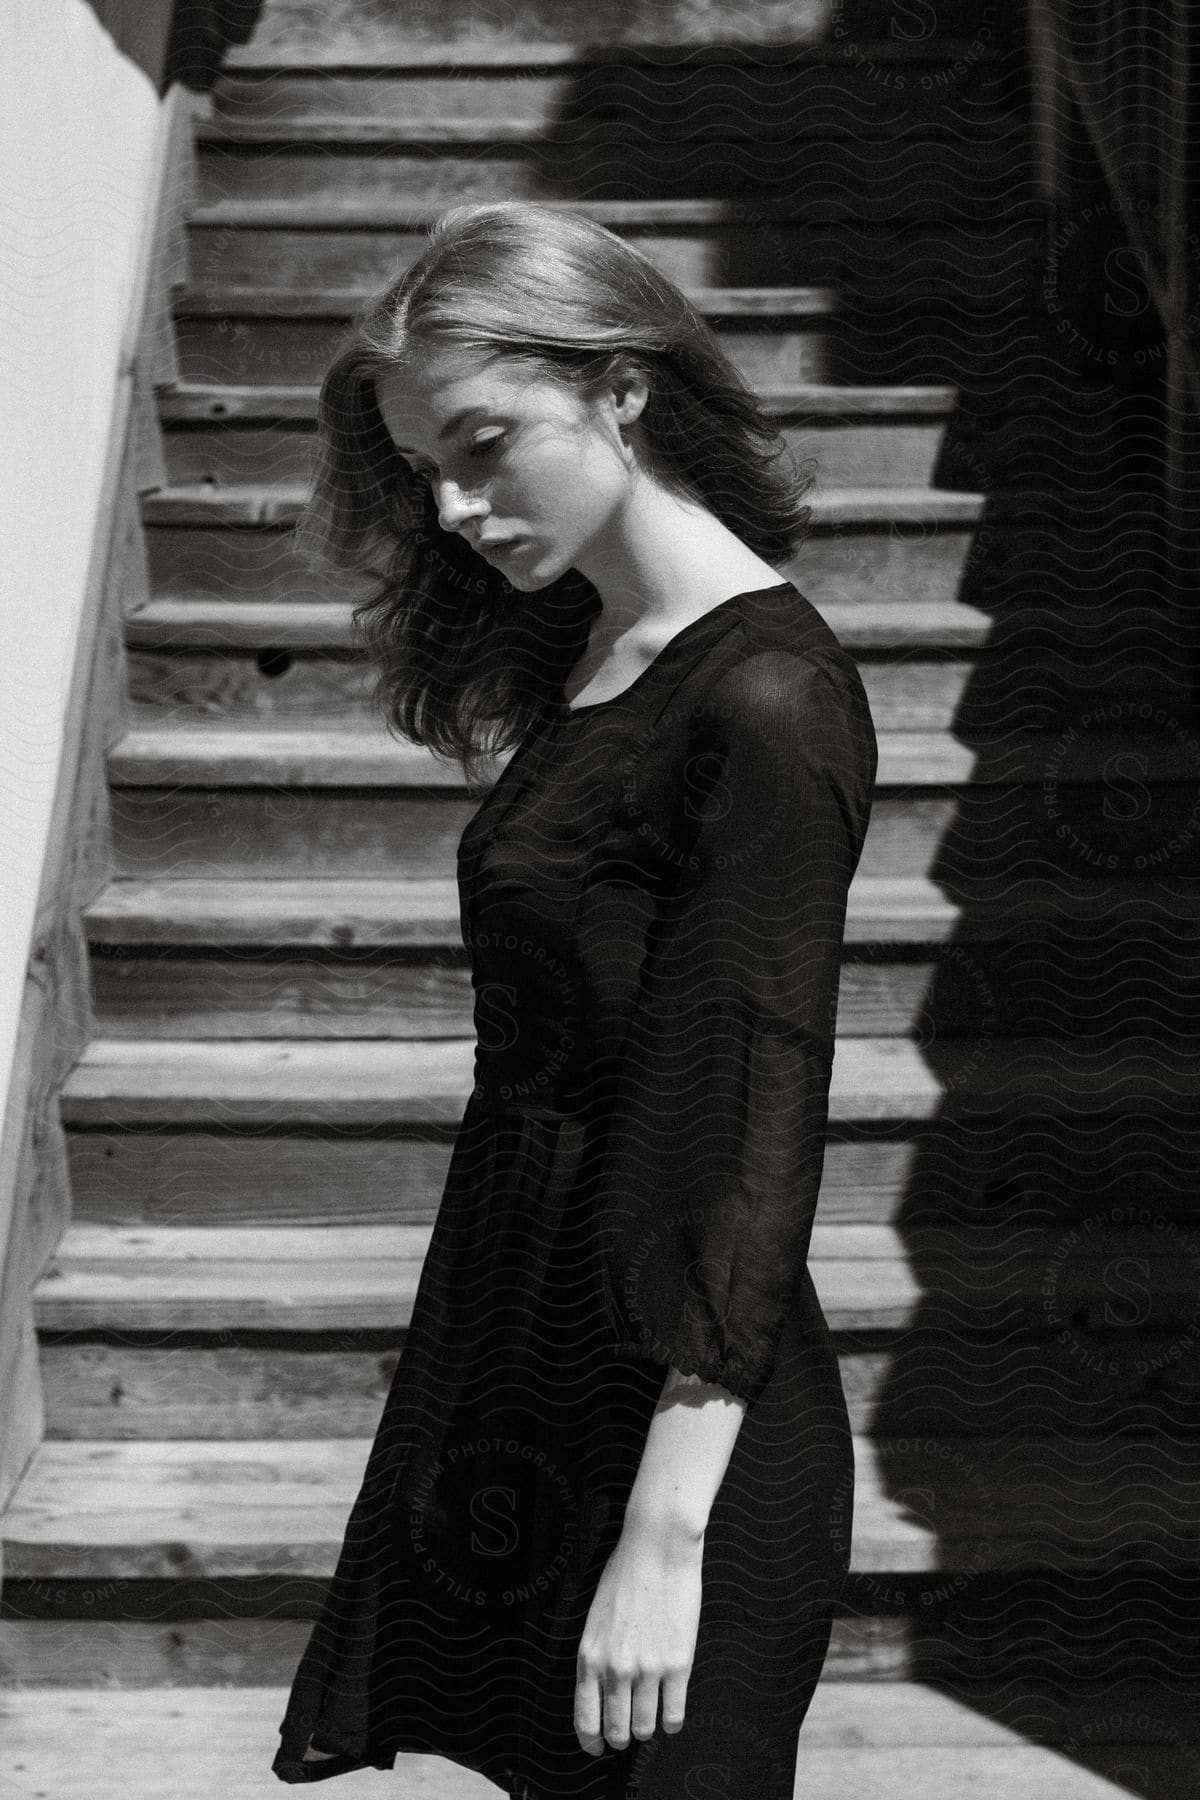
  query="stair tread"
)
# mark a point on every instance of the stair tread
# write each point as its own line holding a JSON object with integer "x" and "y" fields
{"x": 338, "y": 754}
{"x": 347, "y": 50}
{"x": 1007, "y": 1502}
{"x": 220, "y": 1080}
{"x": 347, "y": 912}
{"x": 315, "y": 625}
{"x": 223, "y": 127}
{"x": 844, "y": 1715}
{"x": 293, "y": 303}
{"x": 402, "y": 214}
{"x": 262, "y": 503}
{"x": 198, "y": 400}
{"x": 874, "y": 1737}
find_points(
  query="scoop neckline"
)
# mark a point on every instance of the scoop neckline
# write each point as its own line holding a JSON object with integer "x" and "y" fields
{"x": 745, "y": 594}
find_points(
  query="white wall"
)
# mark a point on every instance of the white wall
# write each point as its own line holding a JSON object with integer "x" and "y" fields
{"x": 77, "y": 137}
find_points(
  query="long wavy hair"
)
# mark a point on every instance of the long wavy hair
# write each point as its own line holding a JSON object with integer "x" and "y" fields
{"x": 466, "y": 665}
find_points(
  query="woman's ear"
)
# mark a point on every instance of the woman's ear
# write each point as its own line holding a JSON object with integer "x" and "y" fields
{"x": 629, "y": 396}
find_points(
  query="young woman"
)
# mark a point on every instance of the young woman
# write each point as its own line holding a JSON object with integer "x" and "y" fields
{"x": 606, "y": 1517}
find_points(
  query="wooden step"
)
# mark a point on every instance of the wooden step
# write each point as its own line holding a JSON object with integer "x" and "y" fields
{"x": 977, "y": 270}
{"x": 912, "y": 683}
{"x": 197, "y": 403}
{"x": 1052, "y": 1634}
{"x": 339, "y": 1084}
{"x": 905, "y": 692}
{"x": 394, "y": 1172}
{"x": 772, "y": 343}
{"x": 326, "y": 1278}
{"x": 281, "y": 505}
{"x": 258, "y": 301}
{"x": 954, "y": 177}
{"x": 861, "y": 1739}
{"x": 274, "y": 756}
{"x": 193, "y": 403}
{"x": 837, "y": 565}
{"x": 870, "y": 449}
{"x": 277, "y": 625}
{"x": 872, "y": 437}
{"x": 130, "y": 1510}
{"x": 345, "y": 914}
{"x": 960, "y": 834}
{"x": 235, "y": 127}
{"x": 1138, "y": 977}
{"x": 287, "y": 39}
{"x": 1001, "y": 1371}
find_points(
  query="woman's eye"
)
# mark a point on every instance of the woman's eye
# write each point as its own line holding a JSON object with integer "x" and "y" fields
{"x": 484, "y": 447}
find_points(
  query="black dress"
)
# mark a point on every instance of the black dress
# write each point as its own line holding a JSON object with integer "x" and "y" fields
{"x": 653, "y": 895}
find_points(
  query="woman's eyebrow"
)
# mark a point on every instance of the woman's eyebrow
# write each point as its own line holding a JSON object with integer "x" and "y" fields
{"x": 458, "y": 419}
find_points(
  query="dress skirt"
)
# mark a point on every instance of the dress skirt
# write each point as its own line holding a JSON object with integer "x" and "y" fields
{"x": 494, "y": 1494}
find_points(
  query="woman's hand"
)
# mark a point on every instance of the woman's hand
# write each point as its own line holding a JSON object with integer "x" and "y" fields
{"x": 640, "y": 1634}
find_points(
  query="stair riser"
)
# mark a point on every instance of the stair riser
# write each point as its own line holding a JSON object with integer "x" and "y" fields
{"x": 257, "y": 1391}
{"x": 995, "y": 833}
{"x": 269, "y": 350}
{"x": 904, "y": 695}
{"x": 390, "y": 1173}
{"x": 892, "y": 263}
{"x": 945, "y": 180}
{"x": 910, "y": 688}
{"x": 840, "y": 564}
{"x": 903, "y": 349}
{"x": 345, "y": 29}
{"x": 702, "y": 95}
{"x": 867, "y": 452}
{"x": 966, "y": 1298}
{"x": 979, "y": 991}
{"x": 1056, "y": 1636}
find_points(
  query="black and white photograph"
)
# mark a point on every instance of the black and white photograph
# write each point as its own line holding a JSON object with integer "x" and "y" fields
{"x": 600, "y": 848}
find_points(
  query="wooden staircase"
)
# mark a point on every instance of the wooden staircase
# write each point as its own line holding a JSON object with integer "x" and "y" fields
{"x": 260, "y": 1129}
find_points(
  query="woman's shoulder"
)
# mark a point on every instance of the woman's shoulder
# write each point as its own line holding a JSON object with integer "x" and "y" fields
{"x": 784, "y": 648}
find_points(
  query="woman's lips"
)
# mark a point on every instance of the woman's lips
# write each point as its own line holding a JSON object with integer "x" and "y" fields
{"x": 501, "y": 549}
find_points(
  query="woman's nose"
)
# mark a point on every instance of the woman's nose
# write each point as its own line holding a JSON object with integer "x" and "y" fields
{"x": 455, "y": 506}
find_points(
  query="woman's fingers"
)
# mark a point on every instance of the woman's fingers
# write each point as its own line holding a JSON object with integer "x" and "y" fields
{"x": 617, "y": 1710}
{"x": 643, "y": 1714}
{"x": 612, "y": 1709}
{"x": 587, "y": 1712}
{"x": 674, "y": 1699}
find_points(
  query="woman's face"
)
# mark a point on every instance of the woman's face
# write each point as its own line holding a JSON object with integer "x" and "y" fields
{"x": 533, "y": 479}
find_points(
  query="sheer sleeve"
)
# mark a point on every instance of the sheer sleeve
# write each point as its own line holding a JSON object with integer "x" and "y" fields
{"x": 714, "y": 1130}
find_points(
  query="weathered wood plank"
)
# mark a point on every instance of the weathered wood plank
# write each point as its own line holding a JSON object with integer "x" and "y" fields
{"x": 146, "y": 1083}
{"x": 273, "y": 625}
{"x": 282, "y": 504}
{"x": 121, "y": 1509}
{"x": 882, "y": 564}
{"x": 1066, "y": 1649}
{"x": 347, "y": 30}
{"x": 976, "y": 269}
{"x": 869, "y": 451}
{"x": 267, "y": 754}
{"x": 246, "y": 1178}
{"x": 349, "y": 913}
{"x": 286, "y": 1277}
{"x": 897, "y": 179}
{"x": 1139, "y": 978}
{"x": 1017, "y": 1378}
{"x": 861, "y": 1740}
{"x": 963, "y": 837}
{"x": 186, "y": 403}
